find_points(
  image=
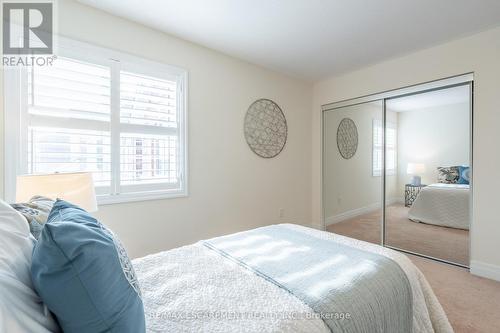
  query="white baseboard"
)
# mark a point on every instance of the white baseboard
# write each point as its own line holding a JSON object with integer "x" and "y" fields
{"x": 485, "y": 270}
{"x": 314, "y": 226}
{"x": 351, "y": 213}
{"x": 358, "y": 211}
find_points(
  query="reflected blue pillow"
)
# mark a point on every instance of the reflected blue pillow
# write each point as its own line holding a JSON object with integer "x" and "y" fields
{"x": 84, "y": 275}
{"x": 464, "y": 172}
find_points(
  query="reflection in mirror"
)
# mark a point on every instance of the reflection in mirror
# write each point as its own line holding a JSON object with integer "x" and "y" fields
{"x": 352, "y": 183}
{"x": 427, "y": 156}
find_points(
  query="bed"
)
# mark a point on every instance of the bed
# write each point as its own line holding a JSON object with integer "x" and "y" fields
{"x": 442, "y": 204}
{"x": 278, "y": 278}
{"x": 286, "y": 278}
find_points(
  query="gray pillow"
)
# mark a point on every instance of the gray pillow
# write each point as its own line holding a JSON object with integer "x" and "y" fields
{"x": 36, "y": 212}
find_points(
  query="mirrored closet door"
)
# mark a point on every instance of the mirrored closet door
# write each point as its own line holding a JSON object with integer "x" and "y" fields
{"x": 397, "y": 169}
{"x": 427, "y": 173}
{"x": 352, "y": 170}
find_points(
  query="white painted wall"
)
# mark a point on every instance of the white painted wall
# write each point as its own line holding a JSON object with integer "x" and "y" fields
{"x": 231, "y": 188}
{"x": 434, "y": 136}
{"x": 479, "y": 54}
{"x": 349, "y": 186}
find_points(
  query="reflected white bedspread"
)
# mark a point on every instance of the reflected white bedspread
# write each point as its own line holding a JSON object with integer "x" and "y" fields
{"x": 442, "y": 204}
{"x": 188, "y": 289}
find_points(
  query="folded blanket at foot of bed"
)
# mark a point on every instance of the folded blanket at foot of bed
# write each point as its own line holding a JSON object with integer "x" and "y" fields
{"x": 352, "y": 290}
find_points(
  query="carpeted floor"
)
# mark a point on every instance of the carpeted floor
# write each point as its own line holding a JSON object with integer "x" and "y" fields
{"x": 471, "y": 303}
{"x": 439, "y": 242}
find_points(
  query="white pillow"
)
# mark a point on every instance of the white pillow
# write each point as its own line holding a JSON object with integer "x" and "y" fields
{"x": 21, "y": 310}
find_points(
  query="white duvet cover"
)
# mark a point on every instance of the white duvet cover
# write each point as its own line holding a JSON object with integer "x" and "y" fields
{"x": 194, "y": 289}
{"x": 21, "y": 309}
{"x": 446, "y": 205}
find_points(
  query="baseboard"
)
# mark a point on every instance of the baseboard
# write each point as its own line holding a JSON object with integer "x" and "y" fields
{"x": 485, "y": 270}
{"x": 351, "y": 213}
{"x": 315, "y": 226}
{"x": 358, "y": 211}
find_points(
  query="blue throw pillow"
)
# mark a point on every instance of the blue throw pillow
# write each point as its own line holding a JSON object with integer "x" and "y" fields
{"x": 464, "y": 172}
{"x": 83, "y": 274}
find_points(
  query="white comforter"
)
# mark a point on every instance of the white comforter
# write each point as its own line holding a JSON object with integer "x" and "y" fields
{"x": 194, "y": 289}
{"x": 442, "y": 204}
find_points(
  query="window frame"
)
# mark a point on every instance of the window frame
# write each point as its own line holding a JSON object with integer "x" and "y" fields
{"x": 16, "y": 119}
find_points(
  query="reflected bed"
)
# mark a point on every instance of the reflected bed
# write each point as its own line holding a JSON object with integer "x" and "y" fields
{"x": 445, "y": 205}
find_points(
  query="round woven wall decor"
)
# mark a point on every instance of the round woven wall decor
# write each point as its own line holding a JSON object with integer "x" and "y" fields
{"x": 347, "y": 138}
{"x": 265, "y": 128}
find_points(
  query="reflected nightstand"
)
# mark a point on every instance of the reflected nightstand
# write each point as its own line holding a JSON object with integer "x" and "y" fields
{"x": 411, "y": 192}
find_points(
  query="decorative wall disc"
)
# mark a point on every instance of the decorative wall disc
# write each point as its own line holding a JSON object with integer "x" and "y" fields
{"x": 347, "y": 138}
{"x": 265, "y": 128}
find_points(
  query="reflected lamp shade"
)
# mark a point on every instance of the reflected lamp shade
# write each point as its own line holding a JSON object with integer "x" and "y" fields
{"x": 415, "y": 169}
{"x": 76, "y": 188}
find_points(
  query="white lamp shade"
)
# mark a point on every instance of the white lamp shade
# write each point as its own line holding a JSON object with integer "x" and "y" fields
{"x": 415, "y": 168}
{"x": 76, "y": 188}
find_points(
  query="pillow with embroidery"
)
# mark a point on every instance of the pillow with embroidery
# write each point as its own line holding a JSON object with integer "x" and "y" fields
{"x": 36, "y": 211}
{"x": 82, "y": 272}
{"x": 448, "y": 175}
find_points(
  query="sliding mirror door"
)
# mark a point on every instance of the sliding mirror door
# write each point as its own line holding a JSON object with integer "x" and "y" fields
{"x": 428, "y": 137}
{"x": 352, "y": 170}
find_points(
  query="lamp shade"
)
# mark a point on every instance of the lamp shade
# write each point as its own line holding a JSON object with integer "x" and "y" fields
{"x": 415, "y": 169}
{"x": 76, "y": 188}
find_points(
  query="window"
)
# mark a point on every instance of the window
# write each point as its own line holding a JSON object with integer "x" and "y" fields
{"x": 120, "y": 117}
{"x": 391, "y": 139}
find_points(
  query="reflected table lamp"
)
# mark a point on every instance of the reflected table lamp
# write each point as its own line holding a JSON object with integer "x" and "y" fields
{"x": 415, "y": 169}
{"x": 76, "y": 188}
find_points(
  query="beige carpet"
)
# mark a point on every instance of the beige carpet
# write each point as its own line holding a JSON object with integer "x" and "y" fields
{"x": 439, "y": 242}
{"x": 472, "y": 303}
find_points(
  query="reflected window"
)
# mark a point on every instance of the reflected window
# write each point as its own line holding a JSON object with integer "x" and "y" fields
{"x": 391, "y": 137}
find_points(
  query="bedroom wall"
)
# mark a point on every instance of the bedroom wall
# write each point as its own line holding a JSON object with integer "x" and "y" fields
{"x": 349, "y": 186}
{"x": 230, "y": 188}
{"x": 480, "y": 54}
{"x": 435, "y": 136}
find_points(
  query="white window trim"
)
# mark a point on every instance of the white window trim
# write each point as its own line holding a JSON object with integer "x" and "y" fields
{"x": 14, "y": 117}
{"x": 389, "y": 172}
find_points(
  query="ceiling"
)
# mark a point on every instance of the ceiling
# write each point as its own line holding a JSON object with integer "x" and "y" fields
{"x": 311, "y": 39}
{"x": 436, "y": 98}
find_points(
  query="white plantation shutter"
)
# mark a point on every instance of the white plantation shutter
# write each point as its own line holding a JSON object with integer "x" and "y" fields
{"x": 147, "y": 101}
{"x": 149, "y": 149}
{"x": 391, "y": 139}
{"x": 118, "y": 116}
{"x": 148, "y": 159}
{"x": 70, "y": 88}
{"x": 68, "y": 119}
{"x": 52, "y": 149}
